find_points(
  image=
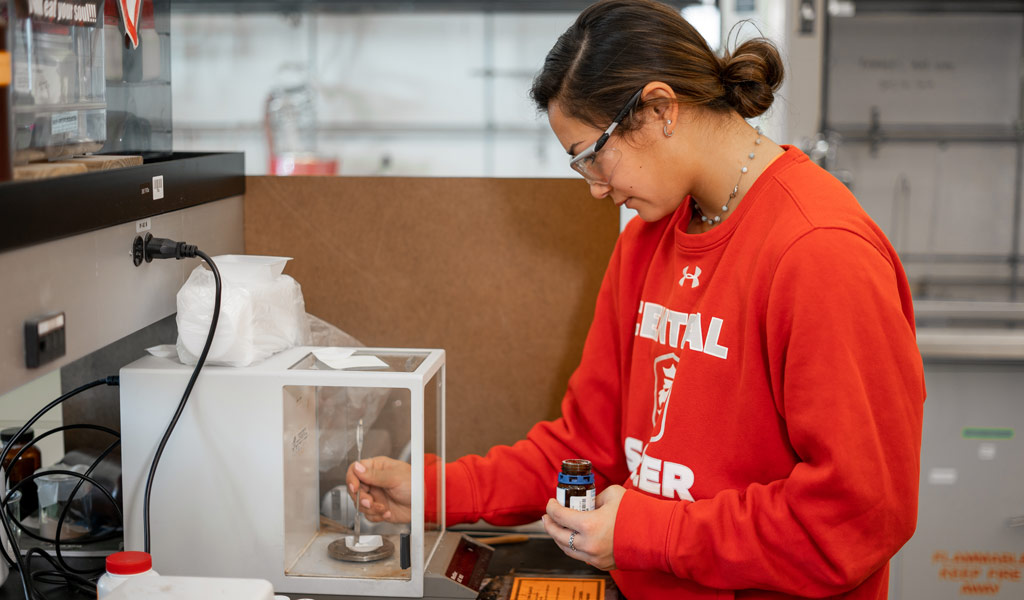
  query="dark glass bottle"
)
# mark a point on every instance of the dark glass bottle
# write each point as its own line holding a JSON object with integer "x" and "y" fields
{"x": 576, "y": 485}
{"x": 29, "y": 461}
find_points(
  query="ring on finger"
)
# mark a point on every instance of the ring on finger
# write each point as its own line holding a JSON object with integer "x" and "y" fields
{"x": 572, "y": 538}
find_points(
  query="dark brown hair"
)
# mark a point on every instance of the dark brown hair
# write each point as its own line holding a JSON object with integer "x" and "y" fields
{"x": 616, "y": 47}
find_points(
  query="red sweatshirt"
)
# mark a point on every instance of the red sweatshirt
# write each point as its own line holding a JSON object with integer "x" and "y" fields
{"x": 758, "y": 391}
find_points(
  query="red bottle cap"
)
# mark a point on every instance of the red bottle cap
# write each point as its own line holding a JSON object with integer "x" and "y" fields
{"x": 129, "y": 563}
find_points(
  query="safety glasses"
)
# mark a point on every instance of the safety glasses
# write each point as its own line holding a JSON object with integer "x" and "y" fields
{"x": 594, "y": 165}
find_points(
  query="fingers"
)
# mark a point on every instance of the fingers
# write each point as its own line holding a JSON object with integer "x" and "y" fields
{"x": 381, "y": 471}
{"x": 566, "y": 517}
{"x": 565, "y": 525}
{"x": 610, "y": 495}
{"x": 360, "y": 478}
{"x": 357, "y": 474}
{"x": 575, "y": 544}
{"x": 583, "y": 535}
{"x": 375, "y": 503}
{"x": 558, "y": 533}
{"x": 374, "y": 511}
{"x": 368, "y": 505}
{"x": 353, "y": 479}
{"x": 383, "y": 486}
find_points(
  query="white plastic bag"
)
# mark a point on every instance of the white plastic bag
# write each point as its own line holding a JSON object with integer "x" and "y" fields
{"x": 261, "y": 311}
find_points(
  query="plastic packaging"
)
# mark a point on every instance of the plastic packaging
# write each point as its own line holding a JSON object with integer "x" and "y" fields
{"x": 322, "y": 333}
{"x": 102, "y": 515}
{"x": 54, "y": 493}
{"x": 262, "y": 311}
{"x": 122, "y": 566}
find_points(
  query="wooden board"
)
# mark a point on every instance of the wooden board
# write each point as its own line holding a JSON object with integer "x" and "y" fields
{"x": 501, "y": 273}
{"x": 45, "y": 170}
{"x": 103, "y": 162}
{"x": 74, "y": 166}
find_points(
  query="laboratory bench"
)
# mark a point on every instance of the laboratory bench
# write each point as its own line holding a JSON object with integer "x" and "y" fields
{"x": 538, "y": 556}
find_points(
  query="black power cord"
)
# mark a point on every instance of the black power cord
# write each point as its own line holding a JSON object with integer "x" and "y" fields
{"x": 57, "y": 576}
{"x": 165, "y": 248}
{"x": 18, "y": 560}
{"x": 82, "y": 479}
{"x": 62, "y": 573}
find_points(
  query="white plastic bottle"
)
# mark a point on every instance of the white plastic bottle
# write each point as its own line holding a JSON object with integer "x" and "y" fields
{"x": 122, "y": 566}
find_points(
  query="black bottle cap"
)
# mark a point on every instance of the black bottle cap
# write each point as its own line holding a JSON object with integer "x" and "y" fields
{"x": 7, "y": 434}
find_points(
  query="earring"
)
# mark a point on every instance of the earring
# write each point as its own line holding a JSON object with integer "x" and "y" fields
{"x": 665, "y": 130}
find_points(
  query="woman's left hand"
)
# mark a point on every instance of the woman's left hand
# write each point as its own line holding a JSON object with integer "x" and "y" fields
{"x": 591, "y": 532}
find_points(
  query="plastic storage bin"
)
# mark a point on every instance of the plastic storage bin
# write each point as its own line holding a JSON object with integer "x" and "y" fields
{"x": 59, "y": 89}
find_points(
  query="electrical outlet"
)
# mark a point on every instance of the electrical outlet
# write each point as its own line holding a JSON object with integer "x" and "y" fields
{"x": 44, "y": 339}
{"x": 139, "y": 249}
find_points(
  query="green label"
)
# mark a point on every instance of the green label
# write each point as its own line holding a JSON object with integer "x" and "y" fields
{"x": 987, "y": 433}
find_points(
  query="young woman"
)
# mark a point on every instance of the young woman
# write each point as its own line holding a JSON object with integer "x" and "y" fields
{"x": 750, "y": 393}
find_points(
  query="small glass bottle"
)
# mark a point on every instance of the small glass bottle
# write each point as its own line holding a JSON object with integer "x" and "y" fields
{"x": 27, "y": 464}
{"x": 576, "y": 485}
{"x": 120, "y": 567}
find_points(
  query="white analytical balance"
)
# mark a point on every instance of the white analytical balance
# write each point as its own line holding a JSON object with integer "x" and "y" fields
{"x": 251, "y": 482}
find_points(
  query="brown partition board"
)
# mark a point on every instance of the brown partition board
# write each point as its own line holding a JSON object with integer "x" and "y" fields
{"x": 501, "y": 273}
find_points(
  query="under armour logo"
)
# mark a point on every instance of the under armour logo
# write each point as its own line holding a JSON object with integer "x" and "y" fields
{"x": 695, "y": 277}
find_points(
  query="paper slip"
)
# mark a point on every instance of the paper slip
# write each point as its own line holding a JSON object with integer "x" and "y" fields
{"x": 342, "y": 358}
{"x": 163, "y": 351}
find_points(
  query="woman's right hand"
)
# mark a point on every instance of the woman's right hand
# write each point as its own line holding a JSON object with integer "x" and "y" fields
{"x": 385, "y": 486}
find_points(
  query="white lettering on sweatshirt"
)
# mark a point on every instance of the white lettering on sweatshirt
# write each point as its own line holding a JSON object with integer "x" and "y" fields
{"x": 679, "y": 330}
{"x": 656, "y": 476}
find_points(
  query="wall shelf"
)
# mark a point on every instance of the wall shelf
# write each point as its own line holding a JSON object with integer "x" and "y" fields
{"x": 37, "y": 211}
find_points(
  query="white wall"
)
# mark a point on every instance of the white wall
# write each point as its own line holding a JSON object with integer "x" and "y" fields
{"x": 412, "y": 94}
{"x": 439, "y": 94}
{"x": 19, "y": 405}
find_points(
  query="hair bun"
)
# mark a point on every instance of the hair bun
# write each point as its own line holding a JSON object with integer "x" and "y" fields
{"x": 751, "y": 75}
